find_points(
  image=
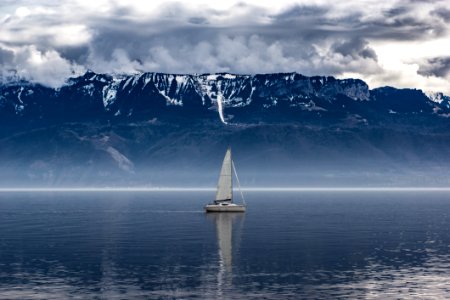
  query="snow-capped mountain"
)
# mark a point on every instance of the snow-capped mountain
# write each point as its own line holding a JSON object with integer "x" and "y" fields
{"x": 440, "y": 98}
{"x": 134, "y": 129}
{"x": 232, "y": 98}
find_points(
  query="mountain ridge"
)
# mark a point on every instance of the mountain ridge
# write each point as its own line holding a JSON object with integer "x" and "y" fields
{"x": 153, "y": 93}
{"x": 155, "y": 128}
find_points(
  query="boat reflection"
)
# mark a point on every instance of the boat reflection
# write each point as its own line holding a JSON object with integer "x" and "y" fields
{"x": 224, "y": 229}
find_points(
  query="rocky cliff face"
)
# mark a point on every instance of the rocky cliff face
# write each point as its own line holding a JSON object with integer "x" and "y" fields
{"x": 154, "y": 94}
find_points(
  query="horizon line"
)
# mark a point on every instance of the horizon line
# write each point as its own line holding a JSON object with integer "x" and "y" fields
{"x": 201, "y": 189}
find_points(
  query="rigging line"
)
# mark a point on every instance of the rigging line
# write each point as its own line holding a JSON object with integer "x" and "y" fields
{"x": 239, "y": 184}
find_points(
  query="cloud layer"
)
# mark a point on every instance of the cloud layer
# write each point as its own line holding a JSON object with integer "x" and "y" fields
{"x": 401, "y": 43}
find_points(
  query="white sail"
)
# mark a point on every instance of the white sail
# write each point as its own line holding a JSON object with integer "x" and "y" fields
{"x": 225, "y": 185}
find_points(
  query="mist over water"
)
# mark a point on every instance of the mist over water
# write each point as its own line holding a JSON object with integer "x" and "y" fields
{"x": 288, "y": 245}
{"x": 187, "y": 152}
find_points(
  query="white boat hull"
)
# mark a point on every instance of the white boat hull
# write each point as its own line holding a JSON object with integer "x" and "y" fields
{"x": 225, "y": 208}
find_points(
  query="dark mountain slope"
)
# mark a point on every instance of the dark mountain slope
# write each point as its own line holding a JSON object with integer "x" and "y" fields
{"x": 165, "y": 129}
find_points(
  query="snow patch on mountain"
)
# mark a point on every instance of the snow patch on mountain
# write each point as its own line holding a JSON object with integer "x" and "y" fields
{"x": 229, "y": 76}
{"x": 171, "y": 101}
{"x": 123, "y": 162}
{"x": 89, "y": 89}
{"x": 109, "y": 92}
{"x": 220, "y": 107}
{"x": 210, "y": 87}
{"x": 436, "y": 96}
{"x": 206, "y": 85}
{"x": 128, "y": 82}
{"x": 19, "y": 95}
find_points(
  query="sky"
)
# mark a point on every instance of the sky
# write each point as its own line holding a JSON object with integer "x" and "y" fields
{"x": 401, "y": 43}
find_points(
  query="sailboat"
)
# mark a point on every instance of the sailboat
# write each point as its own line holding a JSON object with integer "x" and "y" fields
{"x": 224, "y": 195}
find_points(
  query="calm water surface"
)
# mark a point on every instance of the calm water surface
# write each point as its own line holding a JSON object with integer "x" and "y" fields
{"x": 366, "y": 245}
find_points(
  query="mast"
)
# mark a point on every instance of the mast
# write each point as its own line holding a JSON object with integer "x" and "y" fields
{"x": 239, "y": 184}
{"x": 225, "y": 184}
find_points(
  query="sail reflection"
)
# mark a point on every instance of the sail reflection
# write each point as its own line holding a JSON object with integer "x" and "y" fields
{"x": 224, "y": 229}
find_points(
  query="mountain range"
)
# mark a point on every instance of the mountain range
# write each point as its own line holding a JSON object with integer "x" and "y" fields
{"x": 172, "y": 129}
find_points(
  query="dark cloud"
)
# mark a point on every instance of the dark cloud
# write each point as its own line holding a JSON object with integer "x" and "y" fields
{"x": 301, "y": 11}
{"x": 178, "y": 38}
{"x": 397, "y": 11}
{"x": 310, "y": 39}
{"x": 6, "y": 57}
{"x": 198, "y": 20}
{"x": 437, "y": 66}
{"x": 355, "y": 48}
{"x": 75, "y": 54}
{"x": 397, "y": 23}
{"x": 442, "y": 13}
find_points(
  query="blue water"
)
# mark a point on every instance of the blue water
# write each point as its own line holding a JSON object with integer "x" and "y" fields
{"x": 365, "y": 245}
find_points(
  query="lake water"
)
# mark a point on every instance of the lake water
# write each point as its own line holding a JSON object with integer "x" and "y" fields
{"x": 367, "y": 245}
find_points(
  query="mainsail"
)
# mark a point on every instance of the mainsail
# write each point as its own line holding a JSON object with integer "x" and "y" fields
{"x": 225, "y": 185}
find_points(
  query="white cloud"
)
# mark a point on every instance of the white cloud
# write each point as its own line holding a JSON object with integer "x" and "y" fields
{"x": 69, "y": 35}
{"x": 22, "y": 12}
{"x": 45, "y": 67}
{"x": 53, "y": 40}
{"x": 118, "y": 63}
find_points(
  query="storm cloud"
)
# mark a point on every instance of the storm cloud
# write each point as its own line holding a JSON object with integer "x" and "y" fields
{"x": 355, "y": 48}
{"x": 6, "y": 56}
{"x": 437, "y": 66}
{"x": 48, "y": 42}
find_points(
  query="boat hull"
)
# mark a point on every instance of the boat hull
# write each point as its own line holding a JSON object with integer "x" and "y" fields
{"x": 224, "y": 208}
